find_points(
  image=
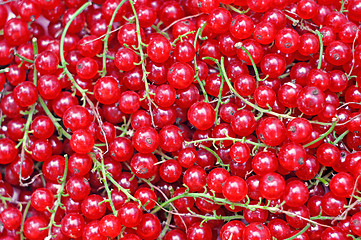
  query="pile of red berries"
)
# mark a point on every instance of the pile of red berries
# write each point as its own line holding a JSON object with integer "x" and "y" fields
{"x": 180, "y": 119}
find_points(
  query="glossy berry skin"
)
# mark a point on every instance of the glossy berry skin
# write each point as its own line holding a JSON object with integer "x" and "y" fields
{"x": 145, "y": 140}
{"x": 355, "y": 224}
{"x": 327, "y": 154}
{"x": 240, "y": 152}
{"x": 245, "y": 84}
{"x": 271, "y": 131}
{"x": 87, "y": 68}
{"x": 53, "y": 168}
{"x": 235, "y": 189}
{"x": 273, "y": 65}
{"x": 201, "y": 115}
{"x": 287, "y": 40}
{"x": 72, "y": 225}
{"x": 196, "y": 231}
{"x": 78, "y": 188}
{"x": 254, "y": 48}
{"x": 16, "y": 32}
{"x": 32, "y": 227}
{"x": 264, "y": 162}
{"x": 292, "y": 156}
{"x": 333, "y": 205}
{"x": 130, "y": 215}
{"x": 159, "y": 49}
{"x": 49, "y": 87}
{"x": 109, "y": 226}
{"x": 121, "y": 149}
{"x": 342, "y": 184}
{"x": 271, "y": 186}
{"x": 125, "y": 58}
{"x": 47, "y": 62}
{"x": 80, "y": 164}
{"x": 295, "y": 221}
{"x": 170, "y": 139}
{"x": 309, "y": 169}
{"x": 129, "y": 102}
{"x": 165, "y": 95}
{"x": 256, "y": 230}
{"x": 241, "y": 27}
{"x": 170, "y": 171}
{"x": 11, "y": 218}
{"x": 233, "y": 228}
{"x": 76, "y": 117}
{"x": 147, "y": 197}
{"x": 143, "y": 165}
{"x": 91, "y": 231}
{"x": 195, "y": 178}
{"x": 92, "y": 208}
{"x": 311, "y": 100}
{"x": 106, "y": 90}
{"x": 296, "y": 194}
{"x": 338, "y": 53}
{"x": 175, "y": 234}
{"x": 243, "y": 123}
{"x": 8, "y": 151}
{"x": 42, "y": 199}
{"x": 149, "y": 227}
{"x": 264, "y": 96}
{"x": 82, "y": 141}
{"x": 180, "y": 75}
{"x": 279, "y": 228}
{"x": 219, "y": 20}
{"x": 216, "y": 179}
{"x": 62, "y": 102}
{"x": 25, "y": 94}
{"x": 299, "y": 130}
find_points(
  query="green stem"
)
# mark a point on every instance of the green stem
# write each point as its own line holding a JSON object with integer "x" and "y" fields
{"x": 5, "y": 70}
{"x": 299, "y": 233}
{"x": 319, "y": 175}
{"x": 23, "y": 220}
{"x": 239, "y": 46}
{"x": 321, "y": 136}
{"x": 341, "y": 137}
{"x": 226, "y": 139}
{"x": 222, "y": 201}
{"x": 58, "y": 196}
{"x": 199, "y": 32}
{"x": 53, "y": 119}
{"x": 23, "y": 58}
{"x": 112, "y": 180}
{"x": 105, "y": 173}
{"x": 24, "y": 140}
{"x": 62, "y": 58}
{"x": 219, "y": 94}
{"x": 321, "y": 49}
{"x": 106, "y": 38}
{"x": 142, "y": 55}
{"x": 35, "y": 47}
{"x": 219, "y": 160}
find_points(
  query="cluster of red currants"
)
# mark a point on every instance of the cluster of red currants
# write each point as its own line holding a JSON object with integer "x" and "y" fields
{"x": 180, "y": 120}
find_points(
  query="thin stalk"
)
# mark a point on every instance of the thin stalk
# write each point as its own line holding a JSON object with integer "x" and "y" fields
{"x": 321, "y": 49}
{"x": 58, "y": 196}
{"x": 321, "y": 136}
{"x": 199, "y": 32}
{"x": 62, "y": 58}
{"x": 23, "y": 220}
{"x": 299, "y": 233}
{"x": 340, "y": 137}
{"x": 53, "y": 119}
{"x": 107, "y": 35}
